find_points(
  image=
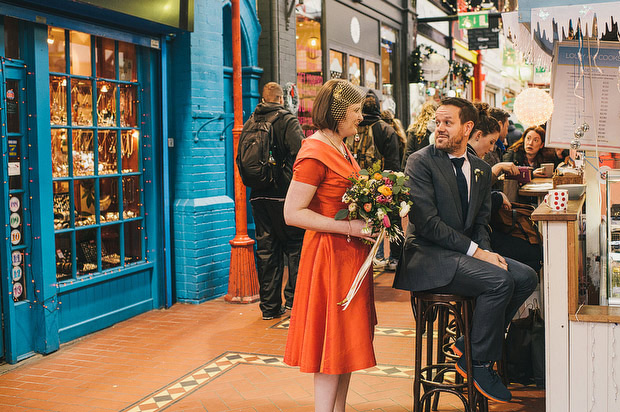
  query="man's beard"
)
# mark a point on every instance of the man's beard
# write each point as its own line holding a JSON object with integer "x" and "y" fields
{"x": 452, "y": 144}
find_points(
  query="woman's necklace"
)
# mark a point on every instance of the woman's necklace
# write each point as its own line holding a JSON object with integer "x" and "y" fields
{"x": 346, "y": 156}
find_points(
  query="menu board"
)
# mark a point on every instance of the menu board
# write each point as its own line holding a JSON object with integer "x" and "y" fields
{"x": 586, "y": 91}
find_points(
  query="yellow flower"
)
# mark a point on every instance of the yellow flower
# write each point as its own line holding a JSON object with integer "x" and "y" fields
{"x": 384, "y": 190}
{"x": 378, "y": 176}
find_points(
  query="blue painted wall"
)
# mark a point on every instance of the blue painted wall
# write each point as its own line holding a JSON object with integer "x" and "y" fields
{"x": 203, "y": 208}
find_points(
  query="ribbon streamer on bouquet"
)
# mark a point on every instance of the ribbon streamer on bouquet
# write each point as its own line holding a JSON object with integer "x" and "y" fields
{"x": 361, "y": 274}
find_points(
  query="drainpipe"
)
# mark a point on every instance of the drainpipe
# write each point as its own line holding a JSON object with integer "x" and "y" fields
{"x": 242, "y": 277}
{"x": 166, "y": 172}
{"x": 275, "y": 42}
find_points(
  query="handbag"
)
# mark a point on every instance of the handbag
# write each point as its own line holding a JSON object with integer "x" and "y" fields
{"x": 517, "y": 222}
{"x": 525, "y": 350}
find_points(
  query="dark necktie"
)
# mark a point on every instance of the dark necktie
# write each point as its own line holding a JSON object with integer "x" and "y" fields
{"x": 461, "y": 183}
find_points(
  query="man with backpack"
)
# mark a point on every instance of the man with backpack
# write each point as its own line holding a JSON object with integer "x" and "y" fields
{"x": 377, "y": 140}
{"x": 268, "y": 145}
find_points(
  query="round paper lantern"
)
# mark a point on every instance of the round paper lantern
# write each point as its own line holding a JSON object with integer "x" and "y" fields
{"x": 435, "y": 67}
{"x": 533, "y": 106}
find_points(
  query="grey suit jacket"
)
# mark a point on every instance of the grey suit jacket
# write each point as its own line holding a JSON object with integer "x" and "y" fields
{"x": 438, "y": 235}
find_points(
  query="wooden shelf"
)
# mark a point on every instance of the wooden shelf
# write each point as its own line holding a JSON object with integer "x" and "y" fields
{"x": 601, "y": 314}
{"x": 543, "y": 212}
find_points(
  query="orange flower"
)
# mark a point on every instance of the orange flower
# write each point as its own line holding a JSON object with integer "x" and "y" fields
{"x": 378, "y": 176}
{"x": 384, "y": 190}
{"x": 367, "y": 207}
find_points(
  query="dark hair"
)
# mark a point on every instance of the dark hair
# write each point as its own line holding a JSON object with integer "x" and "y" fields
{"x": 486, "y": 123}
{"x": 371, "y": 103}
{"x": 468, "y": 112}
{"x": 519, "y": 143}
{"x": 498, "y": 114}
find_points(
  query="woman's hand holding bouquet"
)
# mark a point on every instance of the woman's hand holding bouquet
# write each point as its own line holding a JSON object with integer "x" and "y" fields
{"x": 375, "y": 197}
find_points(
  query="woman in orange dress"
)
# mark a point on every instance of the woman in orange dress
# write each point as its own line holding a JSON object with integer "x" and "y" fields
{"x": 323, "y": 339}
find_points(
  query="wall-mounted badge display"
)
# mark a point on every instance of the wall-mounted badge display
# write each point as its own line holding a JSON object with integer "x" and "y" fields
{"x": 16, "y": 273}
{"x": 18, "y": 289}
{"x": 14, "y": 204}
{"x": 15, "y": 220}
{"x": 17, "y": 258}
{"x": 16, "y": 236}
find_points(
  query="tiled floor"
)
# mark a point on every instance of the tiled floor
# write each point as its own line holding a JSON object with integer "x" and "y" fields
{"x": 217, "y": 357}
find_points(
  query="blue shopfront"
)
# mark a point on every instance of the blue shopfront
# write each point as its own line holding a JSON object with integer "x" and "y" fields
{"x": 93, "y": 136}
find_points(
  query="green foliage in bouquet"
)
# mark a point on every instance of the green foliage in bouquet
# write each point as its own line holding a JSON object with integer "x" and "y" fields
{"x": 377, "y": 196}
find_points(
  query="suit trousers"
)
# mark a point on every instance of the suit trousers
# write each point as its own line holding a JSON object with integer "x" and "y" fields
{"x": 499, "y": 293}
{"x": 275, "y": 240}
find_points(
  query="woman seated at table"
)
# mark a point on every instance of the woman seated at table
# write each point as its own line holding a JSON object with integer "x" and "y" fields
{"x": 481, "y": 141}
{"x": 527, "y": 151}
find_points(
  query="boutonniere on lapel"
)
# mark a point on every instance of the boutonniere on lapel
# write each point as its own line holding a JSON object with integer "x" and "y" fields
{"x": 478, "y": 173}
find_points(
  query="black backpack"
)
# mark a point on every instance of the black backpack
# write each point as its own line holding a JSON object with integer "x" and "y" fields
{"x": 257, "y": 160}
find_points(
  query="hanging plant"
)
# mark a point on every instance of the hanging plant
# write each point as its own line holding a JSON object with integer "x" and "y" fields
{"x": 461, "y": 71}
{"x": 418, "y": 55}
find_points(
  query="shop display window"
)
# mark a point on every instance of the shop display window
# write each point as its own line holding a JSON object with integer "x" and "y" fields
{"x": 96, "y": 163}
{"x": 129, "y": 150}
{"x": 336, "y": 64}
{"x": 12, "y": 48}
{"x": 355, "y": 70}
{"x": 81, "y": 102}
{"x": 56, "y": 50}
{"x": 105, "y": 56}
{"x": 127, "y": 69}
{"x": 370, "y": 77}
{"x": 133, "y": 241}
{"x": 80, "y": 61}
{"x": 58, "y": 100}
{"x": 309, "y": 60}
{"x": 106, "y": 104}
{"x": 108, "y": 159}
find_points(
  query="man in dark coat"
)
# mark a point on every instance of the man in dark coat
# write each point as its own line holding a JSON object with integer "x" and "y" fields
{"x": 447, "y": 248}
{"x": 274, "y": 238}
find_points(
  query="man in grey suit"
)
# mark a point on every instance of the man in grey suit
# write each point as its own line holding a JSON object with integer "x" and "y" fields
{"x": 447, "y": 249}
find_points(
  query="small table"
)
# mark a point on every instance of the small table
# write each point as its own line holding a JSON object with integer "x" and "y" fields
{"x": 538, "y": 187}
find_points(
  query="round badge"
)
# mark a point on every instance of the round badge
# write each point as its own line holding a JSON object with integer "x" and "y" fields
{"x": 16, "y": 236}
{"x": 16, "y": 273}
{"x": 16, "y": 258}
{"x": 14, "y": 204}
{"x": 15, "y": 220}
{"x": 18, "y": 289}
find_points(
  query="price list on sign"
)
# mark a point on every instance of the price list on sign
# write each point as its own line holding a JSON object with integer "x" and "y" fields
{"x": 585, "y": 89}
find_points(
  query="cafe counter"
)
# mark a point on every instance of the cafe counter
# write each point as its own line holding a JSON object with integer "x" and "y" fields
{"x": 581, "y": 341}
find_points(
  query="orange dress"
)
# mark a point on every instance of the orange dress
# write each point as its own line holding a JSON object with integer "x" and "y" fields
{"x": 322, "y": 337}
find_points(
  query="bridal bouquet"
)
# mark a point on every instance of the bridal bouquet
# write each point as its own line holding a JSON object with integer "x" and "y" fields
{"x": 375, "y": 196}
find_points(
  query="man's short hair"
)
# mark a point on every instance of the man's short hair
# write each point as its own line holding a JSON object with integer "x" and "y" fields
{"x": 468, "y": 112}
{"x": 499, "y": 114}
{"x": 272, "y": 92}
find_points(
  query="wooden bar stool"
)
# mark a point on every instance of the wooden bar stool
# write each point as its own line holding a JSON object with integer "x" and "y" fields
{"x": 453, "y": 313}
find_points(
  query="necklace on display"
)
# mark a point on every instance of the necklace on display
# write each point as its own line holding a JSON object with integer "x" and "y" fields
{"x": 343, "y": 153}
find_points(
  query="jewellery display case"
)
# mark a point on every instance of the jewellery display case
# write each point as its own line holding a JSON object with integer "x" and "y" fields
{"x": 96, "y": 163}
{"x": 613, "y": 236}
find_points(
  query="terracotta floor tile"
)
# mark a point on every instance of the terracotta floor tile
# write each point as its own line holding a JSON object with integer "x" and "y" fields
{"x": 164, "y": 354}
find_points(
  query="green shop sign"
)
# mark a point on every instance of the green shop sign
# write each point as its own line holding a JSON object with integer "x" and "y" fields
{"x": 477, "y": 20}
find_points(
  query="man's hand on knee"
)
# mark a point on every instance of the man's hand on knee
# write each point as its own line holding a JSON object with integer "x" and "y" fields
{"x": 491, "y": 257}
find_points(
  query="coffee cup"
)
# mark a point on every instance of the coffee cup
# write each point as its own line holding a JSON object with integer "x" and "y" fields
{"x": 557, "y": 200}
{"x": 548, "y": 169}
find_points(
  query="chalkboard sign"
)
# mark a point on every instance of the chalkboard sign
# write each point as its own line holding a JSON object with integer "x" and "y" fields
{"x": 482, "y": 39}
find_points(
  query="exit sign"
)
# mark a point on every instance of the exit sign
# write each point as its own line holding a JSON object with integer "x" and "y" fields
{"x": 478, "y": 20}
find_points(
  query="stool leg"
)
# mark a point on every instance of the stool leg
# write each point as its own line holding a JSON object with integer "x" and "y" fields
{"x": 442, "y": 324}
{"x": 471, "y": 391}
{"x": 429, "y": 347}
{"x": 419, "y": 329}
